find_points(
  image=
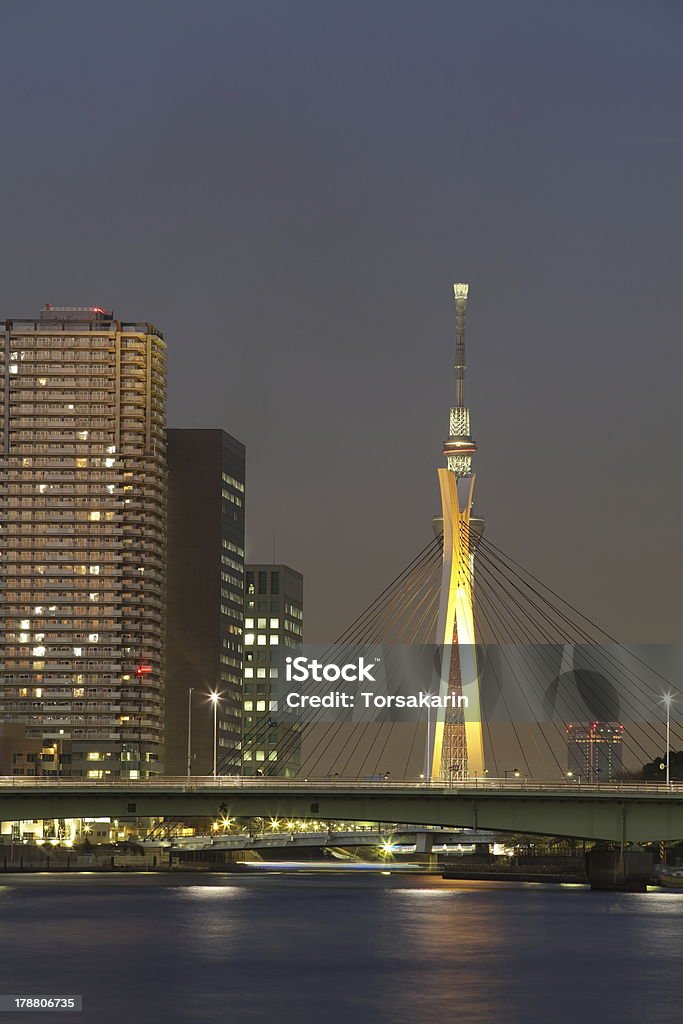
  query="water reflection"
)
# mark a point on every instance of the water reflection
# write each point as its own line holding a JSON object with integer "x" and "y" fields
{"x": 201, "y": 950}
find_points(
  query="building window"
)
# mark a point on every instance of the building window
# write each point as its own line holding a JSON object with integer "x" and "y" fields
{"x": 275, "y": 582}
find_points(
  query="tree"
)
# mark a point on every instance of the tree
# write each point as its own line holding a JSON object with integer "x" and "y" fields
{"x": 655, "y": 771}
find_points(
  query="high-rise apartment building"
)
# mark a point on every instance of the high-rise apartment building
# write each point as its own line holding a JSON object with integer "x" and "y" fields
{"x": 83, "y": 537}
{"x": 273, "y": 624}
{"x": 205, "y": 617}
{"x": 594, "y": 751}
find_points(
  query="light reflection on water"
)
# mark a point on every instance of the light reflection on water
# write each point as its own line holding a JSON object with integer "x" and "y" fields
{"x": 204, "y": 949}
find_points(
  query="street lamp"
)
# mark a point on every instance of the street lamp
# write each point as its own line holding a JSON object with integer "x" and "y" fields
{"x": 428, "y": 752}
{"x": 189, "y": 733}
{"x": 666, "y": 700}
{"x": 512, "y": 771}
{"x": 214, "y": 697}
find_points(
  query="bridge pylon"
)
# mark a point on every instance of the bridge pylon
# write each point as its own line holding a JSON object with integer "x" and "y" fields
{"x": 457, "y": 745}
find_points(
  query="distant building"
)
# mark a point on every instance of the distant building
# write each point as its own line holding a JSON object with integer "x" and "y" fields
{"x": 83, "y": 538}
{"x": 273, "y": 619}
{"x": 594, "y": 751}
{"x": 205, "y": 598}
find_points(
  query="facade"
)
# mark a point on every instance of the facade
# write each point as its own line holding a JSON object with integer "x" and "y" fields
{"x": 205, "y": 603}
{"x": 273, "y": 622}
{"x": 82, "y": 537}
{"x": 594, "y": 751}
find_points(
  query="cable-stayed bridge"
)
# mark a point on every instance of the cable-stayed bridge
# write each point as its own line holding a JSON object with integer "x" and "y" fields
{"x": 522, "y": 666}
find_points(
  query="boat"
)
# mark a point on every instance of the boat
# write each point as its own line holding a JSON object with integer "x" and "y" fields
{"x": 670, "y": 878}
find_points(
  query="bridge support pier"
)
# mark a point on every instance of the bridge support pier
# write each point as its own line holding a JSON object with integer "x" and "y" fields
{"x": 424, "y": 842}
{"x": 619, "y": 870}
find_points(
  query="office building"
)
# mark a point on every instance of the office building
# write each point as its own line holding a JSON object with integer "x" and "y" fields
{"x": 594, "y": 751}
{"x": 273, "y": 622}
{"x": 83, "y": 537}
{"x": 205, "y": 602}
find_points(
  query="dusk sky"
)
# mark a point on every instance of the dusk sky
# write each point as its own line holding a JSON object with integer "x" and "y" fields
{"x": 289, "y": 189}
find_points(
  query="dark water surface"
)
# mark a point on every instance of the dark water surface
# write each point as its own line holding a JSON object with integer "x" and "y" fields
{"x": 203, "y": 949}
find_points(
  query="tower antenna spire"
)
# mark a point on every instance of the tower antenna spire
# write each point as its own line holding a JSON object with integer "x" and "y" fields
{"x": 460, "y": 447}
{"x": 460, "y": 291}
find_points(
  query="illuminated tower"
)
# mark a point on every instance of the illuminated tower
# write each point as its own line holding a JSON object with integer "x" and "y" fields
{"x": 457, "y": 745}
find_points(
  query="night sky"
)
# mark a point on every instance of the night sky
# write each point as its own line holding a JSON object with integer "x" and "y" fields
{"x": 289, "y": 189}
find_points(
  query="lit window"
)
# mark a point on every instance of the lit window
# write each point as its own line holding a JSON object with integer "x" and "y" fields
{"x": 261, "y": 624}
{"x": 260, "y": 755}
{"x": 248, "y": 673}
{"x": 94, "y": 570}
{"x": 273, "y": 673}
{"x": 248, "y": 639}
{"x": 94, "y": 517}
{"x": 260, "y": 705}
{"x": 82, "y": 435}
{"x": 93, "y": 638}
{"x": 95, "y": 774}
{"x": 274, "y": 640}
{"x": 274, "y": 623}
{"x": 260, "y": 673}
{"x": 93, "y": 756}
{"x": 25, "y": 623}
{"x": 23, "y": 638}
{"x": 38, "y": 692}
{"x": 248, "y": 705}
{"x": 78, "y": 651}
{"x": 272, "y": 705}
{"x": 109, "y": 463}
{"x": 261, "y": 639}
{"x": 248, "y": 623}
{"x": 38, "y": 651}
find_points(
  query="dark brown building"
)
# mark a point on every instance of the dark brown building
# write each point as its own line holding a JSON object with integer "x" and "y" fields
{"x": 205, "y": 598}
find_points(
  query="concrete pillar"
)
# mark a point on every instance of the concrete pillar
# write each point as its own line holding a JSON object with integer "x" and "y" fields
{"x": 627, "y": 871}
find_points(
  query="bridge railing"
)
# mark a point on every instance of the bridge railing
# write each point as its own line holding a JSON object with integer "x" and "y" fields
{"x": 231, "y": 782}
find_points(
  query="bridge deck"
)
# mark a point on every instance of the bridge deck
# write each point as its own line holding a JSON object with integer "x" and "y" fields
{"x": 621, "y": 812}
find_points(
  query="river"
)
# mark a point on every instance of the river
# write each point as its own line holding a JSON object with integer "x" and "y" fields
{"x": 203, "y": 949}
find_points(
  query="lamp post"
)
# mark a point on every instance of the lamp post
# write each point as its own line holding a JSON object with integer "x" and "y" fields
{"x": 189, "y": 733}
{"x": 512, "y": 771}
{"x": 428, "y": 752}
{"x": 214, "y": 697}
{"x": 666, "y": 700}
